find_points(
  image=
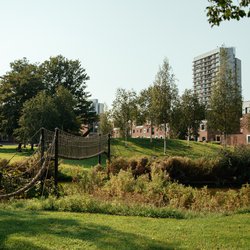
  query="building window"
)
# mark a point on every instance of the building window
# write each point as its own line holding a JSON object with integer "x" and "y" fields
{"x": 203, "y": 138}
{"x": 202, "y": 126}
{"x": 248, "y": 139}
{"x": 133, "y": 131}
{"x": 140, "y": 130}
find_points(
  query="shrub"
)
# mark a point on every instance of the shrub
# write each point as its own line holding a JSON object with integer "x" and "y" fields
{"x": 120, "y": 184}
{"x": 117, "y": 164}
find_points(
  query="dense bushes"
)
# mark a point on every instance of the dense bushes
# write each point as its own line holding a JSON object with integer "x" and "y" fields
{"x": 231, "y": 167}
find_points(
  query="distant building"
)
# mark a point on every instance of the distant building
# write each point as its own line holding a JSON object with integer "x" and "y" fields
{"x": 206, "y": 67}
{"x": 143, "y": 131}
{"x": 98, "y": 107}
{"x": 246, "y": 107}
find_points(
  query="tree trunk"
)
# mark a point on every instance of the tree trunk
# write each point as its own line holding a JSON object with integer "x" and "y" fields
{"x": 188, "y": 137}
{"x": 165, "y": 138}
{"x": 151, "y": 138}
{"x": 19, "y": 148}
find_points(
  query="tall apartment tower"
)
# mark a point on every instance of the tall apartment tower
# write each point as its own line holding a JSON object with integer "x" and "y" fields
{"x": 206, "y": 67}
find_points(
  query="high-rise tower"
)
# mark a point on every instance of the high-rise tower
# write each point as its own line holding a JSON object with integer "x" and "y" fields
{"x": 206, "y": 67}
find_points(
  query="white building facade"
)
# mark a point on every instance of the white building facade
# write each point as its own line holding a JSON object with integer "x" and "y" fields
{"x": 206, "y": 67}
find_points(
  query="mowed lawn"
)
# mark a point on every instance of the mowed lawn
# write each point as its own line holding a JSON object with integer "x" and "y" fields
{"x": 138, "y": 147}
{"x": 59, "y": 230}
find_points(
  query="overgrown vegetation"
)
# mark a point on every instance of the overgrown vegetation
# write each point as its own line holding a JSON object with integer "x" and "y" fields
{"x": 149, "y": 186}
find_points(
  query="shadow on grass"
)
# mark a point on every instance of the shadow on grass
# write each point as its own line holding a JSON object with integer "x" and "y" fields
{"x": 86, "y": 163}
{"x": 32, "y": 226}
{"x": 145, "y": 147}
{"x": 13, "y": 150}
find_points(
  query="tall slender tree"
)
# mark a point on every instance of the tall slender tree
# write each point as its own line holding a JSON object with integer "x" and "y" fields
{"x": 124, "y": 110}
{"x": 146, "y": 109}
{"x": 226, "y": 100}
{"x": 193, "y": 112}
{"x": 164, "y": 96}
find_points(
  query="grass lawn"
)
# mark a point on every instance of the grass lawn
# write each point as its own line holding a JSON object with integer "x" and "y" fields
{"x": 134, "y": 148}
{"x": 143, "y": 147}
{"x": 60, "y": 230}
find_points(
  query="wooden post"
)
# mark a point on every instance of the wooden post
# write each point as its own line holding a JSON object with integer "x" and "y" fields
{"x": 109, "y": 151}
{"x": 99, "y": 148}
{"x": 42, "y": 140}
{"x": 56, "y": 162}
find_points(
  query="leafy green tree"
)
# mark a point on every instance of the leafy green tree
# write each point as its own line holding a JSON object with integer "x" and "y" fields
{"x": 124, "y": 110}
{"x": 164, "y": 96}
{"x": 49, "y": 112}
{"x": 37, "y": 112}
{"x": 177, "y": 124}
{"x": 21, "y": 83}
{"x": 146, "y": 109}
{"x": 193, "y": 112}
{"x": 226, "y": 100}
{"x": 60, "y": 71}
{"x": 220, "y": 10}
{"x": 105, "y": 123}
{"x": 64, "y": 101}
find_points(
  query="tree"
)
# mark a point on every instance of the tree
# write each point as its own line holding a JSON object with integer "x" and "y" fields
{"x": 221, "y": 10}
{"x": 65, "y": 103}
{"x": 49, "y": 112}
{"x": 21, "y": 83}
{"x": 177, "y": 124}
{"x": 124, "y": 110}
{"x": 193, "y": 112}
{"x": 226, "y": 100}
{"x": 164, "y": 95}
{"x": 105, "y": 124}
{"x": 39, "y": 111}
{"x": 146, "y": 111}
{"x": 60, "y": 71}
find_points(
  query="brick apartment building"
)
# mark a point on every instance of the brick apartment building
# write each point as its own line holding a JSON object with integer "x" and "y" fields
{"x": 143, "y": 131}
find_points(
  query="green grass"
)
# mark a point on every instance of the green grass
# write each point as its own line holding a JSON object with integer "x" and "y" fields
{"x": 61, "y": 230}
{"x": 141, "y": 147}
{"x": 134, "y": 148}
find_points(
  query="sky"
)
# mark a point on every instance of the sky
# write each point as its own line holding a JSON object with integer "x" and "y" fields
{"x": 120, "y": 43}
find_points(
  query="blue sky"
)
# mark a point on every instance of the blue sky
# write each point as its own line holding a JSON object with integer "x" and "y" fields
{"x": 121, "y": 43}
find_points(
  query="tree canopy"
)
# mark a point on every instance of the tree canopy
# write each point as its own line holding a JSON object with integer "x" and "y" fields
{"x": 60, "y": 80}
{"x": 221, "y": 10}
{"x": 226, "y": 101}
{"x": 21, "y": 83}
{"x": 124, "y": 110}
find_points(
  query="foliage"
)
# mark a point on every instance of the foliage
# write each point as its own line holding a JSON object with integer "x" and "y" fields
{"x": 21, "y": 83}
{"x": 164, "y": 95}
{"x": 16, "y": 175}
{"x": 124, "y": 110}
{"x": 62, "y": 79}
{"x": 221, "y": 10}
{"x": 226, "y": 100}
{"x": 60, "y": 71}
{"x": 187, "y": 115}
{"x": 65, "y": 103}
{"x": 230, "y": 167}
{"x": 105, "y": 124}
{"x": 146, "y": 112}
{"x": 39, "y": 111}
